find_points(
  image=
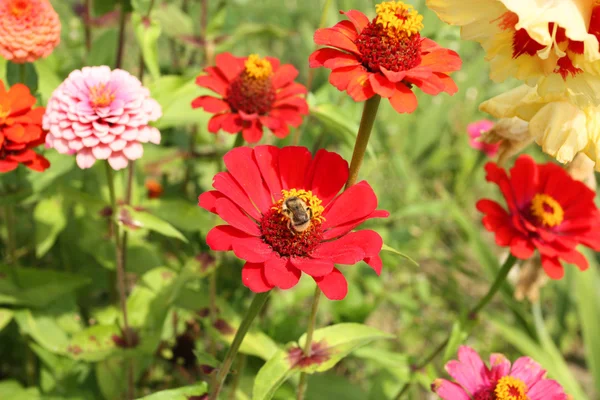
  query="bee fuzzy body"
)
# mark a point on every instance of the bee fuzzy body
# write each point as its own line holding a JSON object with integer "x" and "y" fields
{"x": 298, "y": 213}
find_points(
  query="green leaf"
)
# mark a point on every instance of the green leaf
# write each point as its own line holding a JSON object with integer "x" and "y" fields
{"x": 102, "y": 7}
{"x": 43, "y": 329}
{"x": 181, "y": 393}
{"x": 104, "y": 46}
{"x": 61, "y": 164}
{"x": 457, "y": 337}
{"x": 143, "y": 219}
{"x": 586, "y": 286}
{"x": 14, "y": 391}
{"x": 48, "y": 81}
{"x": 392, "y": 250}
{"x": 6, "y": 316}
{"x": 50, "y": 221}
{"x": 94, "y": 343}
{"x": 36, "y": 287}
{"x": 272, "y": 375}
{"x": 183, "y": 214}
{"x": 147, "y": 32}
{"x": 141, "y": 6}
{"x": 175, "y": 22}
{"x": 22, "y": 73}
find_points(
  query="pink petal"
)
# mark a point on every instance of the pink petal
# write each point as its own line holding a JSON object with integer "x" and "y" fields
{"x": 85, "y": 159}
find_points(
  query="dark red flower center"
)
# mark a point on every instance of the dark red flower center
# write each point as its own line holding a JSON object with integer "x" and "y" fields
{"x": 391, "y": 40}
{"x": 292, "y": 227}
{"x": 252, "y": 92}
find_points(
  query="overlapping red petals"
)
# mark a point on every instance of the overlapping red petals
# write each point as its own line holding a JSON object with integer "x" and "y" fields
{"x": 350, "y": 75}
{"x": 515, "y": 228}
{"x": 286, "y": 111}
{"x": 253, "y": 184}
{"x": 20, "y": 129}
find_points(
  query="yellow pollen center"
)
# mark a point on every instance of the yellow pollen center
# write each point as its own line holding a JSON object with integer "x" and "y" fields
{"x": 548, "y": 211}
{"x": 20, "y": 7}
{"x": 258, "y": 68}
{"x": 312, "y": 202}
{"x": 511, "y": 388}
{"x": 398, "y": 18}
{"x": 101, "y": 96}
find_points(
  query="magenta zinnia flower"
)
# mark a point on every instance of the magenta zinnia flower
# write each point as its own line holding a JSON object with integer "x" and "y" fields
{"x": 101, "y": 115}
{"x": 523, "y": 380}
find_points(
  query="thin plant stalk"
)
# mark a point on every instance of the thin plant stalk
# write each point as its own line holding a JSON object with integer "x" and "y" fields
{"x": 88, "y": 26}
{"x": 472, "y": 315}
{"x": 257, "y": 304}
{"x": 312, "y": 322}
{"x": 121, "y": 43}
{"x": 241, "y": 364}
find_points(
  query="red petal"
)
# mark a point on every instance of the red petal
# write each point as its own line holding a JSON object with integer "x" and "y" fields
{"x": 332, "y": 59}
{"x": 252, "y": 249}
{"x": 341, "y": 251}
{"x": 228, "y": 186}
{"x": 38, "y": 163}
{"x": 208, "y": 200}
{"x": 359, "y": 87}
{"x": 347, "y": 29}
{"x": 449, "y": 84}
{"x": 254, "y": 279}
{"x": 334, "y": 38}
{"x": 210, "y": 82}
{"x": 20, "y": 99}
{"x": 327, "y": 175}
{"x": 235, "y": 217}
{"x": 267, "y": 159}
{"x": 214, "y": 124}
{"x": 290, "y": 90}
{"x": 293, "y": 166}
{"x": 240, "y": 163}
{"x": 22, "y": 156}
{"x": 403, "y": 100}
{"x": 233, "y": 123}
{"x": 210, "y": 104}
{"x": 521, "y": 247}
{"x": 289, "y": 115}
{"x": 284, "y": 76}
{"x": 356, "y": 202}
{"x": 552, "y": 267}
{"x": 341, "y": 77}
{"x": 439, "y": 59}
{"x": 382, "y": 86}
{"x": 333, "y": 285}
{"x": 274, "y": 62}
{"x": 392, "y": 76}
{"x": 375, "y": 263}
{"x": 7, "y": 166}
{"x": 298, "y": 103}
{"x": 281, "y": 273}
{"x": 524, "y": 180}
{"x": 358, "y": 19}
{"x": 222, "y": 237}
{"x": 253, "y": 133}
{"x": 229, "y": 65}
{"x": 576, "y": 258}
{"x": 312, "y": 266}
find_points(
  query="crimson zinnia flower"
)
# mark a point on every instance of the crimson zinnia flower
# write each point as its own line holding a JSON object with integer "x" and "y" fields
{"x": 285, "y": 217}
{"x": 385, "y": 56}
{"x": 252, "y": 92}
{"x": 547, "y": 210}
{"x": 20, "y": 129}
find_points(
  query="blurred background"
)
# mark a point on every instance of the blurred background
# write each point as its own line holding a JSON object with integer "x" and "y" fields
{"x": 59, "y": 321}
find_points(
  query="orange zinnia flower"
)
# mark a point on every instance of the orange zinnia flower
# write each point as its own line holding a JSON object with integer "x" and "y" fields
{"x": 20, "y": 129}
{"x": 385, "y": 56}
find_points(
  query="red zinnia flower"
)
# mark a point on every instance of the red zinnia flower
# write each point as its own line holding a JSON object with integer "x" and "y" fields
{"x": 20, "y": 129}
{"x": 253, "y": 92}
{"x": 285, "y": 217}
{"x": 547, "y": 210}
{"x": 385, "y": 56}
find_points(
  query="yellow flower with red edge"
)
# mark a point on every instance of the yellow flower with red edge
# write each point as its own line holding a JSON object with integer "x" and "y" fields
{"x": 551, "y": 44}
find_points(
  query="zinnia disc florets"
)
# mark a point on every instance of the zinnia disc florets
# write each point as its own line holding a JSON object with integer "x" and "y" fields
{"x": 252, "y": 92}
{"x": 511, "y": 388}
{"x": 392, "y": 39}
{"x": 547, "y": 210}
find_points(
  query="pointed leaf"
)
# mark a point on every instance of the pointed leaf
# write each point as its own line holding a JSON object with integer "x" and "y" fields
{"x": 182, "y": 393}
{"x": 142, "y": 219}
{"x": 392, "y": 250}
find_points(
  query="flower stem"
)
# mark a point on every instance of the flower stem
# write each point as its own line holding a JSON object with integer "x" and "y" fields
{"x": 121, "y": 44}
{"x": 120, "y": 274}
{"x": 257, "y": 304}
{"x": 11, "y": 242}
{"x": 23, "y": 74}
{"x": 87, "y": 18}
{"x": 472, "y": 314}
{"x": 308, "y": 345}
{"x": 362, "y": 139}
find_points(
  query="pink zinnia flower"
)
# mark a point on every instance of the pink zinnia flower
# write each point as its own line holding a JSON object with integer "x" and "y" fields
{"x": 524, "y": 380}
{"x": 101, "y": 115}
{"x": 475, "y": 129}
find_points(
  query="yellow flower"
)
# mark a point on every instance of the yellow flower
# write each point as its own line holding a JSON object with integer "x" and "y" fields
{"x": 560, "y": 127}
{"x": 545, "y": 43}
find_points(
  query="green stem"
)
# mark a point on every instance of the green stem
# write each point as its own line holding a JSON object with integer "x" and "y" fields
{"x": 239, "y": 140}
{"x": 23, "y": 74}
{"x": 308, "y": 345}
{"x": 11, "y": 242}
{"x": 121, "y": 43}
{"x": 362, "y": 139}
{"x": 472, "y": 314}
{"x": 257, "y": 304}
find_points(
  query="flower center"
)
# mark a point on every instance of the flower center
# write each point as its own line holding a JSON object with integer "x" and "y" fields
{"x": 510, "y": 388}
{"x": 20, "y": 7}
{"x": 547, "y": 210}
{"x": 252, "y": 91}
{"x": 292, "y": 227}
{"x": 392, "y": 39}
{"x": 101, "y": 96}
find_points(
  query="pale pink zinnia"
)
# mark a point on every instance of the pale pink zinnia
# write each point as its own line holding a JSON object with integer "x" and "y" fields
{"x": 475, "y": 129}
{"x": 523, "y": 380}
{"x": 101, "y": 114}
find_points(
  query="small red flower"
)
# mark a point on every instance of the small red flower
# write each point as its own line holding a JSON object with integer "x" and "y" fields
{"x": 385, "y": 56}
{"x": 154, "y": 188}
{"x": 20, "y": 129}
{"x": 285, "y": 217}
{"x": 547, "y": 210}
{"x": 252, "y": 92}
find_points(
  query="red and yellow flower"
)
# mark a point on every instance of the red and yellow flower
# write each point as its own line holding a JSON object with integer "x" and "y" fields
{"x": 547, "y": 210}
{"x": 253, "y": 92}
{"x": 385, "y": 56}
{"x": 552, "y": 44}
{"x": 252, "y": 198}
{"x": 20, "y": 129}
